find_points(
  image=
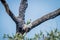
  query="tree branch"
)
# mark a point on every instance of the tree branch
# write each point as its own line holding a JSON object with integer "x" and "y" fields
{"x": 8, "y": 10}
{"x": 44, "y": 18}
{"x": 22, "y": 8}
{"x": 21, "y": 17}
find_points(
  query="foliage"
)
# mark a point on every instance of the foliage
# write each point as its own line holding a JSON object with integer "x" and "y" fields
{"x": 53, "y": 35}
{"x": 14, "y": 37}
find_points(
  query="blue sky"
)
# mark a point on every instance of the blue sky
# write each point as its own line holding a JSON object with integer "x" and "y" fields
{"x": 35, "y": 10}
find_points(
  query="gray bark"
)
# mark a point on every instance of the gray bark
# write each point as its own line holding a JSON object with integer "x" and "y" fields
{"x": 21, "y": 17}
{"x": 20, "y": 20}
{"x": 45, "y": 18}
{"x": 8, "y": 10}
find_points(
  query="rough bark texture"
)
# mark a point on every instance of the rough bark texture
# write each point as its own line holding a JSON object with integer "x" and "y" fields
{"x": 8, "y": 10}
{"x": 20, "y": 20}
{"x": 21, "y": 17}
{"x": 45, "y": 18}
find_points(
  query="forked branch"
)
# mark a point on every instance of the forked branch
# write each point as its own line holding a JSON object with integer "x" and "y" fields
{"x": 20, "y": 19}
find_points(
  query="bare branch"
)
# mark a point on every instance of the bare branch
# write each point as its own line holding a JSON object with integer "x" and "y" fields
{"x": 45, "y": 18}
{"x": 8, "y": 10}
{"x": 22, "y": 8}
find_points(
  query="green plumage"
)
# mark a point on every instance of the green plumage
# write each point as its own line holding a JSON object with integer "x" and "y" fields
{"x": 28, "y": 22}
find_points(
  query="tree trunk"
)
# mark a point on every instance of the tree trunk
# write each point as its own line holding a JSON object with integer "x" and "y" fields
{"x": 21, "y": 27}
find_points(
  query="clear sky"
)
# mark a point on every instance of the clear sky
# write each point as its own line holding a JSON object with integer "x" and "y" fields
{"x": 35, "y": 10}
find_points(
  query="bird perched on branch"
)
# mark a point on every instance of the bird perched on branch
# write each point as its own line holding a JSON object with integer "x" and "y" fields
{"x": 27, "y": 25}
{"x": 28, "y": 22}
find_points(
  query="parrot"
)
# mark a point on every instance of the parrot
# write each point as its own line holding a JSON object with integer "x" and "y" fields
{"x": 28, "y": 22}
